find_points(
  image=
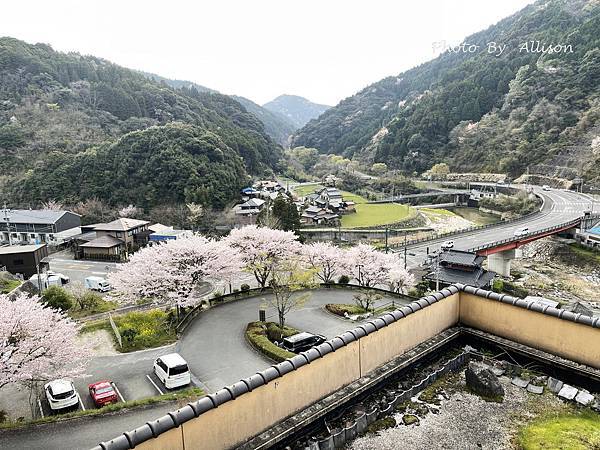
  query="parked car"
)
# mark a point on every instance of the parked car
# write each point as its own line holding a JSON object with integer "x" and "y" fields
{"x": 521, "y": 232}
{"x": 103, "y": 393}
{"x": 447, "y": 245}
{"x": 302, "y": 341}
{"x": 546, "y": 187}
{"x": 61, "y": 394}
{"x": 97, "y": 284}
{"x": 172, "y": 370}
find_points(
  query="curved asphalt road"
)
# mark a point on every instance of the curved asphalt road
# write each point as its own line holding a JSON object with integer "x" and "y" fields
{"x": 216, "y": 350}
{"x": 559, "y": 207}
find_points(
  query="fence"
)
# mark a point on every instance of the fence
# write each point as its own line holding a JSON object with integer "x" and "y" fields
{"x": 528, "y": 235}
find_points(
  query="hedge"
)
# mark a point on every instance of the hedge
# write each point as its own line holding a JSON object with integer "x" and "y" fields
{"x": 257, "y": 334}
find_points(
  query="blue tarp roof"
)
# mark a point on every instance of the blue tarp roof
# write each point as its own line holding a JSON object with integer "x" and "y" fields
{"x": 595, "y": 230}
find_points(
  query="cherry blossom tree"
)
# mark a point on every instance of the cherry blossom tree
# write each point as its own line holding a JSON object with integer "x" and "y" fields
{"x": 169, "y": 272}
{"x": 261, "y": 248}
{"x": 325, "y": 259}
{"x": 369, "y": 266}
{"x": 400, "y": 279}
{"x": 130, "y": 211}
{"x": 289, "y": 280}
{"x": 37, "y": 343}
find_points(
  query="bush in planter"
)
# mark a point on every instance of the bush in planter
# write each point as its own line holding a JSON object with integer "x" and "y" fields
{"x": 344, "y": 279}
{"x": 245, "y": 287}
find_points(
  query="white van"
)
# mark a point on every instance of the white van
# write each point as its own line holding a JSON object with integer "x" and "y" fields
{"x": 522, "y": 232}
{"x": 97, "y": 284}
{"x": 172, "y": 370}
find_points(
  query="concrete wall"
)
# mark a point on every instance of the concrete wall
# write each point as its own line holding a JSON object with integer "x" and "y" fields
{"x": 571, "y": 340}
{"x": 239, "y": 412}
{"x": 394, "y": 340}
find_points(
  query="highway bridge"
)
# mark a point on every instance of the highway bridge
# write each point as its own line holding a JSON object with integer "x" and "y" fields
{"x": 561, "y": 210}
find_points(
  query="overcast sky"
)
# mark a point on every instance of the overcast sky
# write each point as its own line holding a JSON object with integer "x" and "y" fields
{"x": 324, "y": 50}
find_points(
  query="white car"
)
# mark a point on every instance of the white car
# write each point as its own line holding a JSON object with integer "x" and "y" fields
{"x": 546, "y": 187}
{"x": 447, "y": 245}
{"x": 172, "y": 370}
{"x": 61, "y": 394}
{"x": 522, "y": 232}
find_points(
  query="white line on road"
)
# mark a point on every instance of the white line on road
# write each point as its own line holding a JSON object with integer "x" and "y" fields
{"x": 81, "y": 403}
{"x": 99, "y": 273}
{"x": 40, "y": 406}
{"x": 154, "y": 384}
{"x": 118, "y": 392}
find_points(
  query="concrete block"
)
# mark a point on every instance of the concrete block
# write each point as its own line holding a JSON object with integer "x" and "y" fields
{"x": 339, "y": 438}
{"x": 568, "y": 392}
{"x": 327, "y": 443}
{"x": 361, "y": 423}
{"x": 535, "y": 389}
{"x": 554, "y": 385}
{"x": 584, "y": 398}
{"x": 520, "y": 382}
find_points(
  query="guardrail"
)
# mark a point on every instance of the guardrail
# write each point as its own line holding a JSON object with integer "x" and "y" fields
{"x": 526, "y": 236}
{"x": 437, "y": 236}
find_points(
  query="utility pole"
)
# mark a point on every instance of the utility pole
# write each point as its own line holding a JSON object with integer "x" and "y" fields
{"x": 437, "y": 272}
{"x": 405, "y": 249}
{"x": 386, "y": 239}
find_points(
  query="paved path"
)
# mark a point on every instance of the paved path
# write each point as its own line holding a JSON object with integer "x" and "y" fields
{"x": 216, "y": 350}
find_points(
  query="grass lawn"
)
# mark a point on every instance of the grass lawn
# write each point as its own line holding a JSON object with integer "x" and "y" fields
{"x": 139, "y": 330}
{"x": 370, "y": 215}
{"x": 567, "y": 431}
{"x": 102, "y": 306}
{"x": 304, "y": 190}
{"x": 8, "y": 285}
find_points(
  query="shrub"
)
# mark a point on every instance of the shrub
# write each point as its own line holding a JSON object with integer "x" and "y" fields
{"x": 498, "y": 285}
{"x": 245, "y": 287}
{"x": 217, "y": 294}
{"x": 515, "y": 290}
{"x": 344, "y": 279}
{"x": 147, "y": 329}
{"x": 57, "y": 298}
{"x": 257, "y": 333}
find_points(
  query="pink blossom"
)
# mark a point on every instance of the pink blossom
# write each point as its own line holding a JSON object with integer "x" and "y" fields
{"x": 326, "y": 259}
{"x": 37, "y": 343}
{"x": 260, "y": 248}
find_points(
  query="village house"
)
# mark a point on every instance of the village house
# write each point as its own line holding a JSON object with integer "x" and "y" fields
{"x": 110, "y": 241}
{"x": 325, "y": 205}
{"x": 34, "y": 226}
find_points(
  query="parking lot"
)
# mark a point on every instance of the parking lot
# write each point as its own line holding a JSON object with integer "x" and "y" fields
{"x": 77, "y": 269}
{"x": 141, "y": 385}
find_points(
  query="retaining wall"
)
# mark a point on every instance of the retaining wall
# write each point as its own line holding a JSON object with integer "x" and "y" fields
{"x": 236, "y": 413}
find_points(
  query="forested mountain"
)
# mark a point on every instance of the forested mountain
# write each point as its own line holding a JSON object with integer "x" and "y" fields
{"x": 280, "y": 128}
{"x": 276, "y": 126}
{"x": 166, "y": 164}
{"x": 480, "y": 111}
{"x": 57, "y": 107}
{"x": 296, "y": 109}
{"x": 177, "y": 84}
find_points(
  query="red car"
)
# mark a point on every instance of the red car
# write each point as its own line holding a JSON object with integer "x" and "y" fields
{"x": 103, "y": 393}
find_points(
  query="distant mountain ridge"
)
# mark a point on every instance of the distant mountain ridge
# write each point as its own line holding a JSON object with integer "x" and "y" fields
{"x": 476, "y": 111}
{"x": 75, "y": 127}
{"x": 278, "y": 127}
{"x": 296, "y": 109}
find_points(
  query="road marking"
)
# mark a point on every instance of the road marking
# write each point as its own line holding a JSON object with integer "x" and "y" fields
{"x": 99, "y": 273}
{"x": 40, "y": 406}
{"x": 81, "y": 403}
{"x": 154, "y": 384}
{"x": 114, "y": 385}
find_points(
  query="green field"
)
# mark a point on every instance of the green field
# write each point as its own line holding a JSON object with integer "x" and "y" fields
{"x": 370, "y": 215}
{"x": 367, "y": 214}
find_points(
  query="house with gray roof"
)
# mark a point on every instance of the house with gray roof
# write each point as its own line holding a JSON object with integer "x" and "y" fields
{"x": 35, "y": 226}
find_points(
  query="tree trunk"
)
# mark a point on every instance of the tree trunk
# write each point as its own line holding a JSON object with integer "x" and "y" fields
{"x": 281, "y": 321}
